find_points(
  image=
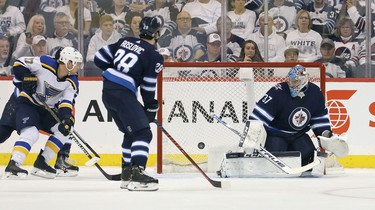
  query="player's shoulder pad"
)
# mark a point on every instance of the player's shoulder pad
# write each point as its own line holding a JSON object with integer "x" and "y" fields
{"x": 49, "y": 61}
{"x": 73, "y": 79}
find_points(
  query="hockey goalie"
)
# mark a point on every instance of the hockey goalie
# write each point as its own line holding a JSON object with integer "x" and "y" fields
{"x": 275, "y": 141}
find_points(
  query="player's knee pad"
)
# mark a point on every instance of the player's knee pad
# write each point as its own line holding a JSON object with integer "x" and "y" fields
{"x": 30, "y": 134}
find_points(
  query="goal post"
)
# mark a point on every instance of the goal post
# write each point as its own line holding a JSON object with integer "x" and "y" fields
{"x": 191, "y": 92}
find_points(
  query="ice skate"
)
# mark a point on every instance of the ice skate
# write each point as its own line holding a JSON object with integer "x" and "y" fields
{"x": 139, "y": 181}
{"x": 125, "y": 177}
{"x": 42, "y": 169}
{"x": 64, "y": 168}
{"x": 13, "y": 171}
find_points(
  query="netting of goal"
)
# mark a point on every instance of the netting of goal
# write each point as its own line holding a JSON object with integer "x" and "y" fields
{"x": 192, "y": 92}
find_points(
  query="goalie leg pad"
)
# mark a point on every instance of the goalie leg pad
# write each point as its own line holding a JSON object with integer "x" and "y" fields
{"x": 318, "y": 170}
{"x": 241, "y": 165}
{"x": 256, "y": 137}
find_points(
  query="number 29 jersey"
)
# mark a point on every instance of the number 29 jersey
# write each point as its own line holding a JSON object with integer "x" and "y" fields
{"x": 131, "y": 63}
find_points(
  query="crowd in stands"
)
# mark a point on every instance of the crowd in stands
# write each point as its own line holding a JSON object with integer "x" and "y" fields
{"x": 330, "y": 32}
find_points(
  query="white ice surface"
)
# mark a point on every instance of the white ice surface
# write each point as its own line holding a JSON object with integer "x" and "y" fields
{"x": 90, "y": 191}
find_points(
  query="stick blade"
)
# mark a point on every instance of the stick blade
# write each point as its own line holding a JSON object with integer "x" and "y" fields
{"x": 92, "y": 161}
{"x": 220, "y": 184}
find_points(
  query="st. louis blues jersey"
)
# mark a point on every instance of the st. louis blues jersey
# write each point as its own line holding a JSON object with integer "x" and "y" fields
{"x": 285, "y": 116}
{"x": 131, "y": 63}
{"x": 54, "y": 91}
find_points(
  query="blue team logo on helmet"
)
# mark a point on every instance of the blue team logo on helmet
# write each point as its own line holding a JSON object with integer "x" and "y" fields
{"x": 299, "y": 118}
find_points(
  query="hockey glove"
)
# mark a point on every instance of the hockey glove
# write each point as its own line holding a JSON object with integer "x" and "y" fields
{"x": 151, "y": 109}
{"x": 29, "y": 84}
{"x": 66, "y": 125}
{"x": 335, "y": 143}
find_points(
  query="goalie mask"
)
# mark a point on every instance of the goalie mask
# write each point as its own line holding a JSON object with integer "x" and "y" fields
{"x": 297, "y": 80}
{"x": 70, "y": 54}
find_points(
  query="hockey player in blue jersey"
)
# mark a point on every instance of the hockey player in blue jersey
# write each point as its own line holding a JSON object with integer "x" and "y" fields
{"x": 129, "y": 64}
{"x": 55, "y": 81}
{"x": 289, "y": 110}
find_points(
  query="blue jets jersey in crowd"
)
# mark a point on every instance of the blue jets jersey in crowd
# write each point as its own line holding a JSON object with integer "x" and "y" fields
{"x": 55, "y": 91}
{"x": 285, "y": 116}
{"x": 131, "y": 63}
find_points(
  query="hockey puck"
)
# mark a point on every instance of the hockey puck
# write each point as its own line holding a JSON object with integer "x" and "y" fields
{"x": 201, "y": 145}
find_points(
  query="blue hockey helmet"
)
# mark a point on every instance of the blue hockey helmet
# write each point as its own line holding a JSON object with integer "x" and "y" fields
{"x": 297, "y": 80}
{"x": 149, "y": 26}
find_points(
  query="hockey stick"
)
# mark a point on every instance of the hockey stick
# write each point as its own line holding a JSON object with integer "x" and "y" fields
{"x": 214, "y": 183}
{"x": 269, "y": 156}
{"x": 93, "y": 160}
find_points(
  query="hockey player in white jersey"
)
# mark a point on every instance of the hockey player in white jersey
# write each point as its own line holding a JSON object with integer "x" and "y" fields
{"x": 55, "y": 82}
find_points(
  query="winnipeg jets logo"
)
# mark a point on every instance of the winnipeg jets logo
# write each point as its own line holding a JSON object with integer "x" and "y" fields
{"x": 24, "y": 120}
{"x": 299, "y": 118}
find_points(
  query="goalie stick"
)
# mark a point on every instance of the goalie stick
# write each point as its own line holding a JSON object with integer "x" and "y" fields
{"x": 93, "y": 160}
{"x": 266, "y": 154}
{"x": 214, "y": 183}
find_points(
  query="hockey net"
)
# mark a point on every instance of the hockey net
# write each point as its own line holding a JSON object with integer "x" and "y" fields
{"x": 192, "y": 92}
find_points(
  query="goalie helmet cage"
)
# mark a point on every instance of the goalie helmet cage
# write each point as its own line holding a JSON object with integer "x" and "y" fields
{"x": 191, "y": 92}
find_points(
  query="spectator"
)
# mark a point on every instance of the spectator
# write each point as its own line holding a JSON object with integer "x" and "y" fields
{"x": 332, "y": 63}
{"x": 72, "y": 11}
{"x": 234, "y": 42}
{"x": 52, "y": 5}
{"x": 346, "y": 44}
{"x": 250, "y": 52}
{"x": 283, "y": 13}
{"x": 213, "y": 52}
{"x": 307, "y": 41}
{"x": 36, "y": 26}
{"x": 105, "y": 35}
{"x": 276, "y": 43}
{"x": 133, "y": 19}
{"x": 184, "y": 42}
{"x": 166, "y": 54}
{"x": 323, "y": 17}
{"x": 12, "y": 23}
{"x": 138, "y": 5}
{"x": 357, "y": 13}
{"x": 166, "y": 11}
{"x": 37, "y": 47}
{"x": 243, "y": 19}
{"x": 204, "y": 14}
{"x": 5, "y": 69}
{"x": 62, "y": 37}
{"x": 118, "y": 12}
{"x": 291, "y": 54}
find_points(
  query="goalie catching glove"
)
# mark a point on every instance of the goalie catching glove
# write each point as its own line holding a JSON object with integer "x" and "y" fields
{"x": 151, "y": 109}
{"x": 334, "y": 143}
{"x": 66, "y": 125}
{"x": 255, "y": 138}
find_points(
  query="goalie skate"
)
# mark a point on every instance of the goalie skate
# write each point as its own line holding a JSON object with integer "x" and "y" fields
{"x": 12, "y": 171}
{"x": 141, "y": 182}
{"x": 64, "y": 168}
{"x": 42, "y": 169}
